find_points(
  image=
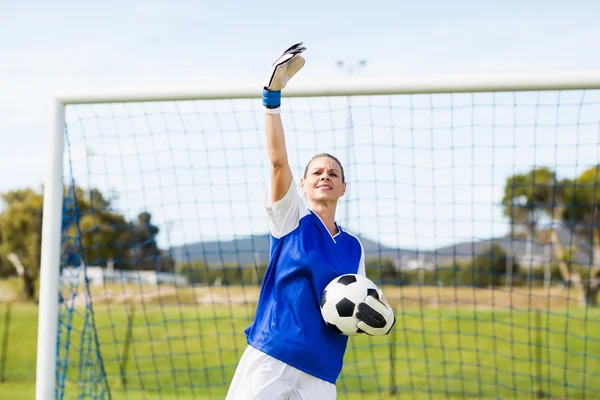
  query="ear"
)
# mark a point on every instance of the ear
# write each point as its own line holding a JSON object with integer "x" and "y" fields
{"x": 302, "y": 182}
{"x": 343, "y": 189}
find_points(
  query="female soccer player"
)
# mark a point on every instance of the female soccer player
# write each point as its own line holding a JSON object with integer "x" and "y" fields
{"x": 292, "y": 353}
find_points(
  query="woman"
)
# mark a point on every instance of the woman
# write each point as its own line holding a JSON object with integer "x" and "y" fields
{"x": 292, "y": 353}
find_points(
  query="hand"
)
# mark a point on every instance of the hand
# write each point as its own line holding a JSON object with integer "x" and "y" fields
{"x": 284, "y": 68}
{"x": 375, "y": 315}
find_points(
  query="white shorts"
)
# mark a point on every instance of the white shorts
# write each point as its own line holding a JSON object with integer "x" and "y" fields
{"x": 261, "y": 377}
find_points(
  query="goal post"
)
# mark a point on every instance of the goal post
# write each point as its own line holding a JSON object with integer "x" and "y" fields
{"x": 50, "y": 258}
{"x": 374, "y": 96}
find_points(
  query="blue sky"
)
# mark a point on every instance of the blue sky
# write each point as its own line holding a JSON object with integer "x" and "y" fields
{"x": 47, "y": 48}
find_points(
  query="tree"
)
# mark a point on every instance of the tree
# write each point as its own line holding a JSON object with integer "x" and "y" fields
{"x": 531, "y": 198}
{"x": 491, "y": 266}
{"x": 101, "y": 234}
{"x": 581, "y": 213}
{"x": 582, "y": 201}
{"x": 144, "y": 253}
{"x": 538, "y": 196}
{"x": 21, "y": 234}
{"x": 93, "y": 232}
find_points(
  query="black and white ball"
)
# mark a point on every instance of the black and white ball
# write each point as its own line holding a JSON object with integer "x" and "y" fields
{"x": 340, "y": 300}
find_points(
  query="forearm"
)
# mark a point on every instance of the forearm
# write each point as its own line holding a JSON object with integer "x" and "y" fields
{"x": 281, "y": 174}
{"x": 275, "y": 140}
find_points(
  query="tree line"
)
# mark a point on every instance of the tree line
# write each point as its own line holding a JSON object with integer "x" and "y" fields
{"x": 93, "y": 232}
{"x": 493, "y": 267}
{"x": 487, "y": 269}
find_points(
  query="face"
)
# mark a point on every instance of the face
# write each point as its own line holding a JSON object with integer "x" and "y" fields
{"x": 323, "y": 180}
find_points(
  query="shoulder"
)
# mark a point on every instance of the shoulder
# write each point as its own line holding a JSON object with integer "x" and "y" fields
{"x": 353, "y": 245}
{"x": 352, "y": 239}
{"x": 355, "y": 249}
{"x": 285, "y": 214}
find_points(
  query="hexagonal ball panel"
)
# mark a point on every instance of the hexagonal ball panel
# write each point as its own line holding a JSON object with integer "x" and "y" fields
{"x": 345, "y": 308}
{"x": 346, "y": 280}
{"x": 334, "y": 327}
{"x": 373, "y": 292}
{"x": 323, "y": 298}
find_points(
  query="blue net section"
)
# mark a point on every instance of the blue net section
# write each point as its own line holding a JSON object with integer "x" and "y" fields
{"x": 478, "y": 213}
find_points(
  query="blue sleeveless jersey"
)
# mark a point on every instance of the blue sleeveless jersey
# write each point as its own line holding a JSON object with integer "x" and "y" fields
{"x": 305, "y": 257}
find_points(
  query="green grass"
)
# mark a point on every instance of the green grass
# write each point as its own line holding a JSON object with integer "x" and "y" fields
{"x": 448, "y": 353}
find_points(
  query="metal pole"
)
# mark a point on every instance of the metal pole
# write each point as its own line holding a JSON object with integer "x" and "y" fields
{"x": 385, "y": 85}
{"x": 127, "y": 343}
{"x": 392, "y": 351}
{"x": 4, "y": 353}
{"x": 50, "y": 260}
{"x": 539, "y": 393}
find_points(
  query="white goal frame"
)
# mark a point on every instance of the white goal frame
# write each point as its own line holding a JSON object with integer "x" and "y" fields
{"x": 53, "y": 184}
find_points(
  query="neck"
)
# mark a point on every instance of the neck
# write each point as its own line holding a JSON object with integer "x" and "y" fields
{"x": 326, "y": 212}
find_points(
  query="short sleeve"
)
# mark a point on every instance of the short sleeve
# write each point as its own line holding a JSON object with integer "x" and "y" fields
{"x": 286, "y": 213}
{"x": 361, "y": 264}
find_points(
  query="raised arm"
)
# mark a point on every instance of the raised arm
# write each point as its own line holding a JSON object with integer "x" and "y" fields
{"x": 281, "y": 173}
{"x": 286, "y": 66}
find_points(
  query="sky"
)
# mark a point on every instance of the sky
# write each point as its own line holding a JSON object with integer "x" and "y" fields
{"x": 76, "y": 46}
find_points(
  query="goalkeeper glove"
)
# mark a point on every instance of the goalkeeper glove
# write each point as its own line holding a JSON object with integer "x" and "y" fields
{"x": 375, "y": 315}
{"x": 284, "y": 68}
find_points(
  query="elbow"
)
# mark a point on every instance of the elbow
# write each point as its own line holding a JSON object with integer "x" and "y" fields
{"x": 277, "y": 164}
{"x": 278, "y": 161}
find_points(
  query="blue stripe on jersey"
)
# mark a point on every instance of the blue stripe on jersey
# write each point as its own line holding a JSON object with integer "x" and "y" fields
{"x": 288, "y": 323}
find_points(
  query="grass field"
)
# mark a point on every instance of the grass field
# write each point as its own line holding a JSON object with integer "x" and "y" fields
{"x": 447, "y": 344}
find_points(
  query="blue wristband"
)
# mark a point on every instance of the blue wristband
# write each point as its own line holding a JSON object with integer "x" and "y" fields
{"x": 271, "y": 98}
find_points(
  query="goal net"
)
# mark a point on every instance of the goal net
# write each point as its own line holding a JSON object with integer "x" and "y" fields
{"x": 476, "y": 208}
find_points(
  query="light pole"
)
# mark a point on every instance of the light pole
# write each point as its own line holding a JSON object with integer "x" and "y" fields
{"x": 350, "y": 67}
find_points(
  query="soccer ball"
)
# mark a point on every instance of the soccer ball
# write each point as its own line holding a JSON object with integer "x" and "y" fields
{"x": 340, "y": 300}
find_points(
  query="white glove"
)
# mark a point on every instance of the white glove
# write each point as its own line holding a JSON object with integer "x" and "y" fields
{"x": 375, "y": 315}
{"x": 284, "y": 68}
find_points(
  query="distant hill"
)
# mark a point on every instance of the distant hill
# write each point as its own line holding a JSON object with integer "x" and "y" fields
{"x": 522, "y": 249}
{"x": 464, "y": 250}
{"x": 247, "y": 250}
